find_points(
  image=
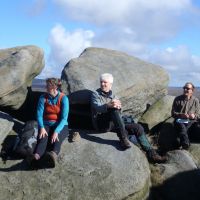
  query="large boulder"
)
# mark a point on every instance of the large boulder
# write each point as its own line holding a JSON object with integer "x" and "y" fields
{"x": 94, "y": 168}
{"x": 178, "y": 161}
{"x": 158, "y": 112}
{"x": 184, "y": 185}
{"x": 179, "y": 178}
{"x": 18, "y": 67}
{"x": 138, "y": 84}
{"x": 6, "y": 125}
{"x": 195, "y": 152}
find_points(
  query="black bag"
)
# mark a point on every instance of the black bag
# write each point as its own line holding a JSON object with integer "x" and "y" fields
{"x": 128, "y": 119}
{"x": 27, "y": 140}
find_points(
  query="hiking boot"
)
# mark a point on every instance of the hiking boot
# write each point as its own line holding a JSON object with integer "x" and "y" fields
{"x": 125, "y": 143}
{"x": 185, "y": 143}
{"x": 49, "y": 160}
{"x": 154, "y": 157}
{"x": 31, "y": 161}
{"x": 75, "y": 137}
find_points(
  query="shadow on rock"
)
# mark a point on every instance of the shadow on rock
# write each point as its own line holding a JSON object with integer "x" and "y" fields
{"x": 184, "y": 186}
{"x": 168, "y": 138}
{"x": 94, "y": 138}
{"x": 21, "y": 166}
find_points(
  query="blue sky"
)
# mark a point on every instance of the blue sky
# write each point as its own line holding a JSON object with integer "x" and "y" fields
{"x": 164, "y": 32}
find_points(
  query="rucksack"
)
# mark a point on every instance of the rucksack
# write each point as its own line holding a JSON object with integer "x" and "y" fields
{"x": 26, "y": 141}
{"x": 128, "y": 119}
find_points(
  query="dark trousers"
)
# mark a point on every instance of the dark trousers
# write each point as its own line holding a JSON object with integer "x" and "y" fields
{"x": 111, "y": 121}
{"x": 138, "y": 131}
{"x": 185, "y": 131}
{"x": 45, "y": 143}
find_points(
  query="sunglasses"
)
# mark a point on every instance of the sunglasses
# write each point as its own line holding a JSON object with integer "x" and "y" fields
{"x": 187, "y": 88}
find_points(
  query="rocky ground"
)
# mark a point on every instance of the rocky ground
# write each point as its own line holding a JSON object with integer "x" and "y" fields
{"x": 95, "y": 167}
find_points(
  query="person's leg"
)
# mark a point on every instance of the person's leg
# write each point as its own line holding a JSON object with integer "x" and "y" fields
{"x": 112, "y": 121}
{"x": 138, "y": 131}
{"x": 42, "y": 144}
{"x": 182, "y": 133}
{"x": 103, "y": 122}
{"x": 51, "y": 156}
{"x": 48, "y": 159}
{"x": 118, "y": 123}
{"x": 119, "y": 127}
{"x": 61, "y": 136}
{"x": 181, "y": 129}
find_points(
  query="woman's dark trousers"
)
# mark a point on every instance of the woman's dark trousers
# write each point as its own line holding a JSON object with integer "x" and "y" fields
{"x": 45, "y": 143}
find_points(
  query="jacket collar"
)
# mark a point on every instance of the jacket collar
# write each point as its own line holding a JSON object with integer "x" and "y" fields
{"x": 105, "y": 94}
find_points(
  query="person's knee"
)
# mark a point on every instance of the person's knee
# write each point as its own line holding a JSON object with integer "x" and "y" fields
{"x": 135, "y": 128}
{"x": 139, "y": 129}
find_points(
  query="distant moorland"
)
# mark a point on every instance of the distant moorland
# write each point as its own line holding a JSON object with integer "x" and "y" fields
{"x": 174, "y": 91}
{"x": 39, "y": 85}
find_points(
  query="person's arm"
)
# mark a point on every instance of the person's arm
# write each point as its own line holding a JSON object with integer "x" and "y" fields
{"x": 64, "y": 114}
{"x": 197, "y": 110}
{"x": 173, "y": 110}
{"x": 176, "y": 113}
{"x": 40, "y": 111}
{"x": 97, "y": 105}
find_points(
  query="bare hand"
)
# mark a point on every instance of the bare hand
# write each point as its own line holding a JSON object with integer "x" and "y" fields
{"x": 54, "y": 137}
{"x": 192, "y": 116}
{"x": 115, "y": 103}
{"x": 43, "y": 133}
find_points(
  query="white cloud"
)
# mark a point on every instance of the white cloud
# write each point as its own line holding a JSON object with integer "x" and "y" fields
{"x": 153, "y": 20}
{"x": 179, "y": 62}
{"x": 136, "y": 27}
{"x": 66, "y": 45}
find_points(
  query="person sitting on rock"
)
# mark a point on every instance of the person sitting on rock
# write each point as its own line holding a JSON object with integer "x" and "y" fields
{"x": 52, "y": 115}
{"x": 106, "y": 109}
{"x": 106, "y": 116}
{"x": 186, "y": 112}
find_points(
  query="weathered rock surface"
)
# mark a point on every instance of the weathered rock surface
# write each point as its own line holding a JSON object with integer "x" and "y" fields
{"x": 177, "y": 179}
{"x": 137, "y": 83}
{"x": 18, "y": 67}
{"x": 96, "y": 168}
{"x": 195, "y": 152}
{"x": 179, "y": 161}
{"x": 93, "y": 168}
{"x": 6, "y": 125}
{"x": 158, "y": 112}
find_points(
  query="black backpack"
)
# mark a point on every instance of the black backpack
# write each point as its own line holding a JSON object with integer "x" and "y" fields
{"x": 26, "y": 141}
{"x": 128, "y": 119}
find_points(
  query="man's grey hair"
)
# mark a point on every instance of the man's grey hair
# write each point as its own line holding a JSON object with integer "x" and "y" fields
{"x": 107, "y": 77}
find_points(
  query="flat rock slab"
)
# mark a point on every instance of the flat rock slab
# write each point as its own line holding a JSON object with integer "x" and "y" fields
{"x": 94, "y": 168}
